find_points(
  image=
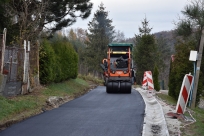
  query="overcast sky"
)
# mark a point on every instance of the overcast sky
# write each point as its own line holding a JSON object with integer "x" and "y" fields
{"x": 128, "y": 14}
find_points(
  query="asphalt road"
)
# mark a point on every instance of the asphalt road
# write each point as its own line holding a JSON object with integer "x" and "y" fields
{"x": 93, "y": 114}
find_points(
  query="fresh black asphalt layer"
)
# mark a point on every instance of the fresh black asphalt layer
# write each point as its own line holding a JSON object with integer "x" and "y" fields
{"x": 93, "y": 114}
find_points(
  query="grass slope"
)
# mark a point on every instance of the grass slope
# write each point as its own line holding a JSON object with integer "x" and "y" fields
{"x": 17, "y": 108}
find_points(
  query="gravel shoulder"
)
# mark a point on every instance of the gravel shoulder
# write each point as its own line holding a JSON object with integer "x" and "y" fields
{"x": 176, "y": 126}
{"x": 173, "y": 124}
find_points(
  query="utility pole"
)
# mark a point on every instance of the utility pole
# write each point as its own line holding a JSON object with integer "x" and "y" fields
{"x": 196, "y": 78}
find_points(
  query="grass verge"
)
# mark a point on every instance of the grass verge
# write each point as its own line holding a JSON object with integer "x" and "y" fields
{"x": 91, "y": 78}
{"x": 17, "y": 108}
{"x": 194, "y": 129}
{"x": 167, "y": 98}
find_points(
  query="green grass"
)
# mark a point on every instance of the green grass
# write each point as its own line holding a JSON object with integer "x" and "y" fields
{"x": 167, "y": 98}
{"x": 30, "y": 104}
{"x": 195, "y": 129}
{"x": 199, "y": 126}
{"x": 91, "y": 78}
{"x": 66, "y": 88}
{"x": 15, "y": 106}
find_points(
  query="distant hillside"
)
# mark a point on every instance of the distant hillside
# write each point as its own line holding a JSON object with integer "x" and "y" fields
{"x": 130, "y": 40}
{"x": 169, "y": 36}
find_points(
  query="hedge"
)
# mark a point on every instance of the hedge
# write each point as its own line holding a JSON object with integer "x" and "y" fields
{"x": 58, "y": 61}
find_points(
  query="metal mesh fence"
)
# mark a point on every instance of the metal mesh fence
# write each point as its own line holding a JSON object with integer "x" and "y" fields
{"x": 13, "y": 63}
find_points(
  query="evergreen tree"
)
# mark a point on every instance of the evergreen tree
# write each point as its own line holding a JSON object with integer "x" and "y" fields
{"x": 58, "y": 60}
{"x": 30, "y": 17}
{"x": 145, "y": 51}
{"x": 156, "y": 79}
{"x": 64, "y": 13}
{"x": 145, "y": 30}
{"x": 3, "y": 18}
{"x": 179, "y": 67}
{"x": 6, "y": 22}
{"x": 100, "y": 34}
{"x": 190, "y": 28}
{"x": 172, "y": 81}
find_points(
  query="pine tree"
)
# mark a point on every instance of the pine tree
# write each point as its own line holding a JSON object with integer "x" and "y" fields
{"x": 145, "y": 30}
{"x": 6, "y": 22}
{"x": 64, "y": 13}
{"x": 145, "y": 51}
{"x": 172, "y": 82}
{"x": 30, "y": 17}
{"x": 179, "y": 67}
{"x": 156, "y": 79}
{"x": 100, "y": 34}
{"x": 190, "y": 29}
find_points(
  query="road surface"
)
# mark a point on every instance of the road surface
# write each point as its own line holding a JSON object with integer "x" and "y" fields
{"x": 93, "y": 114}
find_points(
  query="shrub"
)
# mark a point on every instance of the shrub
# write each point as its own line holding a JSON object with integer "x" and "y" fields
{"x": 47, "y": 62}
{"x": 156, "y": 79}
{"x": 58, "y": 60}
{"x": 180, "y": 67}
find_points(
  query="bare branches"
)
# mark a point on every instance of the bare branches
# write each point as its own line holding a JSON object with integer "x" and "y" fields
{"x": 27, "y": 15}
{"x": 32, "y": 16}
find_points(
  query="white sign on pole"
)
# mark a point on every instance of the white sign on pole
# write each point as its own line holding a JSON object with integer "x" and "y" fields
{"x": 193, "y": 56}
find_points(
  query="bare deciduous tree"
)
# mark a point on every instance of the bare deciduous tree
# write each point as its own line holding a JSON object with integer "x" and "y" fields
{"x": 32, "y": 16}
{"x": 27, "y": 17}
